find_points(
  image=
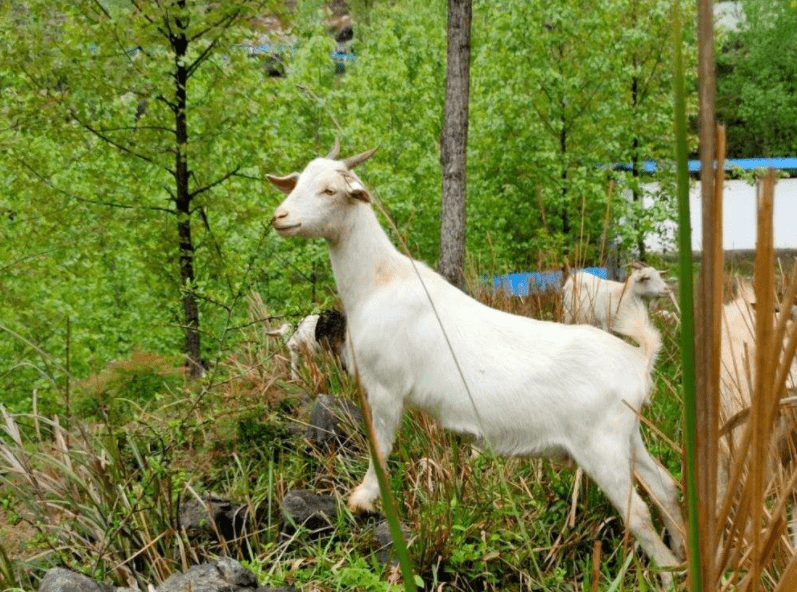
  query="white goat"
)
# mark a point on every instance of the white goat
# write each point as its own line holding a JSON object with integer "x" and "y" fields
{"x": 617, "y": 307}
{"x": 517, "y": 385}
{"x": 595, "y": 301}
{"x": 737, "y": 375}
{"x": 326, "y": 331}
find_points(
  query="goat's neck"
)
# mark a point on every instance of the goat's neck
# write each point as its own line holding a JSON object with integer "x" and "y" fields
{"x": 356, "y": 256}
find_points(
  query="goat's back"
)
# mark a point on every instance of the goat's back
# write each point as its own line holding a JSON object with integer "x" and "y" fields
{"x": 532, "y": 383}
{"x": 590, "y": 299}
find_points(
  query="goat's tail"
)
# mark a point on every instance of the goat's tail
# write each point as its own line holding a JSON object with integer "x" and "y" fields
{"x": 634, "y": 321}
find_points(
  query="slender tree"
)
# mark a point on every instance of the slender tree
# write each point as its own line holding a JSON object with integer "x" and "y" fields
{"x": 136, "y": 103}
{"x": 454, "y": 144}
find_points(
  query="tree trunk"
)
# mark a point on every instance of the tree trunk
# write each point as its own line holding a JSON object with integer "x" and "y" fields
{"x": 635, "y": 165}
{"x": 183, "y": 198}
{"x": 454, "y": 143}
{"x": 563, "y": 153}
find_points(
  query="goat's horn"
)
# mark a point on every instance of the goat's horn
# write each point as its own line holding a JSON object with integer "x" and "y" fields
{"x": 353, "y": 161}
{"x": 333, "y": 154}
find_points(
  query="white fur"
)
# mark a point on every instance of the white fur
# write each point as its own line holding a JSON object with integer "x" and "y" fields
{"x": 617, "y": 307}
{"x": 595, "y": 301}
{"x": 527, "y": 387}
{"x": 737, "y": 377}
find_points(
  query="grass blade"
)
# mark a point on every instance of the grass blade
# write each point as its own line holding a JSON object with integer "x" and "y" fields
{"x": 687, "y": 307}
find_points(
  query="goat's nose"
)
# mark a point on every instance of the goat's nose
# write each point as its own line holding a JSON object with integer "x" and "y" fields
{"x": 279, "y": 215}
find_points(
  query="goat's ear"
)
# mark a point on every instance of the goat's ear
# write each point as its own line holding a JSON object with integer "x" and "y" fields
{"x": 284, "y": 184}
{"x": 356, "y": 190}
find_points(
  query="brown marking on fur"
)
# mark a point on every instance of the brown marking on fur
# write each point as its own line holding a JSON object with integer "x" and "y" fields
{"x": 385, "y": 274}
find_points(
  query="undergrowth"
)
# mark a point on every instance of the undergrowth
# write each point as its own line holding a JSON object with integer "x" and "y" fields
{"x": 99, "y": 492}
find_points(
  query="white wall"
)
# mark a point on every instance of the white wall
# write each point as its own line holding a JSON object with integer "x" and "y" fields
{"x": 739, "y": 217}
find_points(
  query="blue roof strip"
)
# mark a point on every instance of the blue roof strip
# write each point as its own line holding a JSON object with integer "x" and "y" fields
{"x": 746, "y": 164}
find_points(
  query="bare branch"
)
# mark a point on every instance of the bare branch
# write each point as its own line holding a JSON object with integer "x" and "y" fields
{"x": 543, "y": 119}
{"x": 202, "y": 57}
{"x": 168, "y": 103}
{"x": 169, "y": 33}
{"x": 218, "y": 181}
{"x": 248, "y": 177}
{"x": 19, "y": 260}
{"x": 144, "y": 14}
{"x": 136, "y": 128}
{"x": 216, "y": 245}
{"x": 229, "y": 18}
{"x": 169, "y": 192}
{"x": 119, "y": 146}
{"x": 45, "y": 181}
{"x": 99, "y": 5}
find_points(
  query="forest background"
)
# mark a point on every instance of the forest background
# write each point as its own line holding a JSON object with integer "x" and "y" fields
{"x": 136, "y": 137}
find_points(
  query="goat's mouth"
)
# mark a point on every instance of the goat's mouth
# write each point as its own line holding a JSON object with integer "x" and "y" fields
{"x": 287, "y": 228}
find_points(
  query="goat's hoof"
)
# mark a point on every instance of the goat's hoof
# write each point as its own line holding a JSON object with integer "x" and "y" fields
{"x": 359, "y": 502}
{"x": 680, "y": 552}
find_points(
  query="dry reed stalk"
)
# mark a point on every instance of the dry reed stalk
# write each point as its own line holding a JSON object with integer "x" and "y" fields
{"x": 707, "y": 348}
{"x": 707, "y": 325}
{"x": 596, "y": 565}
{"x": 762, "y": 399}
{"x": 755, "y": 552}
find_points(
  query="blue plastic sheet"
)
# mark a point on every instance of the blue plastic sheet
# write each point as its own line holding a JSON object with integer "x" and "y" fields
{"x": 536, "y": 282}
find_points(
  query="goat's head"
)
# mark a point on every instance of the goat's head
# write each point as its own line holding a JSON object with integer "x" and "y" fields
{"x": 648, "y": 282}
{"x": 320, "y": 198}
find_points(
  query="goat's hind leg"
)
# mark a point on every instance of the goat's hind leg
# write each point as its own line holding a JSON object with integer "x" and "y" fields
{"x": 386, "y": 413}
{"x": 607, "y": 461}
{"x": 664, "y": 490}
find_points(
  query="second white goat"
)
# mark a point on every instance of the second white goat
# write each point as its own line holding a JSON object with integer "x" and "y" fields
{"x": 326, "y": 331}
{"x": 595, "y": 301}
{"x": 518, "y": 386}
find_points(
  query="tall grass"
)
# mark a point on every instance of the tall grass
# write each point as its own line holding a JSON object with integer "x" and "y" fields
{"x": 737, "y": 541}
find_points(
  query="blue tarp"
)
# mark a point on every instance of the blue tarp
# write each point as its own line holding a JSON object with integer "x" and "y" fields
{"x": 535, "y": 282}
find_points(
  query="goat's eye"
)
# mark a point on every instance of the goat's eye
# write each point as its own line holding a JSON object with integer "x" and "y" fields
{"x": 328, "y": 191}
{"x": 644, "y": 279}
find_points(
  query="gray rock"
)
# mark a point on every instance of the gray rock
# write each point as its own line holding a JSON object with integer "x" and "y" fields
{"x": 384, "y": 542}
{"x": 223, "y": 575}
{"x": 305, "y": 508}
{"x": 210, "y": 517}
{"x": 328, "y": 420}
{"x": 58, "y": 579}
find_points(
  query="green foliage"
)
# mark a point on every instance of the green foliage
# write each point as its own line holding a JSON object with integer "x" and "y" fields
{"x": 756, "y": 81}
{"x": 549, "y": 112}
{"x": 118, "y": 393}
{"x": 256, "y": 435}
{"x": 88, "y": 156}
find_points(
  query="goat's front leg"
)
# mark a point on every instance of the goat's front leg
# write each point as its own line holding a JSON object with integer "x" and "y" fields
{"x": 386, "y": 409}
